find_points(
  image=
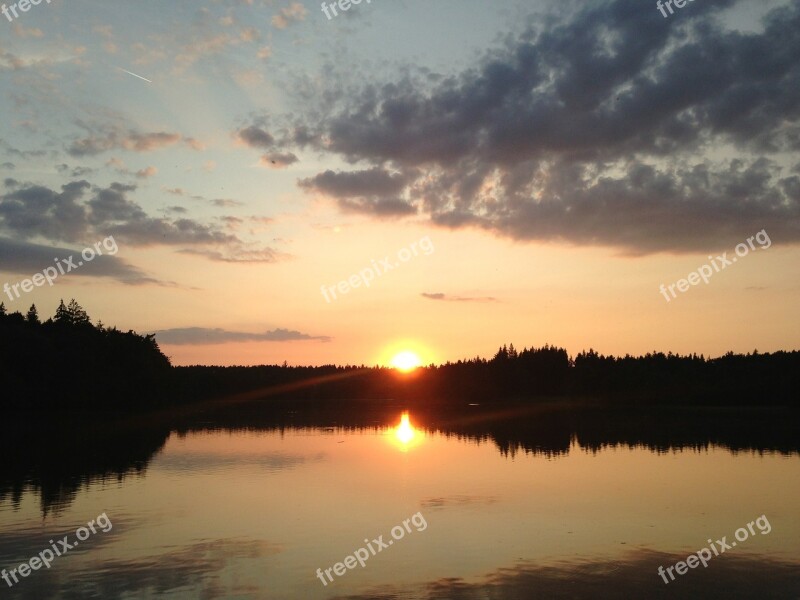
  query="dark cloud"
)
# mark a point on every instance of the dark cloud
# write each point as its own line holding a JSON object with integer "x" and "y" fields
{"x": 76, "y": 172}
{"x": 80, "y": 212}
{"x": 202, "y": 335}
{"x": 369, "y": 191}
{"x": 371, "y": 182}
{"x": 381, "y": 207}
{"x": 26, "y": 259}
{"x": 278, "y": 160}
{"x": 39, "y": 211}
{"x": 610, "y": 141}
{"x": 7, "y": 165}
{"x": 447, "y": 298}
{"x": 256, "y": 137}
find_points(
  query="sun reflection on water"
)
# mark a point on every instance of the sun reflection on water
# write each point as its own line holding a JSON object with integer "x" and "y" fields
{"x": 404, "y": 435}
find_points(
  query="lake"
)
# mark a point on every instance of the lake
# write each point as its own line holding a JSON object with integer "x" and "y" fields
{"x": 496, "y": 503}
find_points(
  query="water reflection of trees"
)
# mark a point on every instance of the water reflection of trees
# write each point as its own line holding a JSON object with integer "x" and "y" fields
{"x": 55, "y": 459}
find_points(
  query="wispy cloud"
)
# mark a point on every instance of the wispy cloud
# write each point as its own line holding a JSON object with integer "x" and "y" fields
{"x": 203, "y": 335}
{"x": 446, "y": 298}
{"x": 108, "y": 138}
{"x": 27, "y": 258}
{"x": 294, "y": 13}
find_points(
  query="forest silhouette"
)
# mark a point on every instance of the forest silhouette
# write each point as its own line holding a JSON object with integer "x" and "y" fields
{"x": 66, "y": 363}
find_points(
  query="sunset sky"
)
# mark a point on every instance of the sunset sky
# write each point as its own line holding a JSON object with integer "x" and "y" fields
{"x": 551, "y": 162}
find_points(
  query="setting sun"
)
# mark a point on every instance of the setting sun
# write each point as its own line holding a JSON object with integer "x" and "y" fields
{"x": 406, "y": 361}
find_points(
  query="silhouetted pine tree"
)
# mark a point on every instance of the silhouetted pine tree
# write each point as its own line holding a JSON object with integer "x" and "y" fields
{"x": 78, "y": 316}
{"x": 32, "y": 315}
{"x": 62, "y": 316}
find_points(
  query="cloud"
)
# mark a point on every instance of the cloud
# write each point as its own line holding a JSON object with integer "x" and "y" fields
{"x": 369, "y": 191}
{"x": 75, "y": 172}
{"x": 24, "y": 154}
{"x": 221, "y": 202}
{"x": 194, "y": 144}
{"x": 446, "y": 298}
{"x": 21, "y": 32}
{"x": 80, "y": 212}
{"x": 294, "y": 13}
{"x": 255, "y": 137}
{"x": 7, "y": 165}
{"x": 146, "y": 172}
{"x": 114, "y": 140}
{"x": 225, "y": 202}
{"x": 371, "y": 182}
{"x": 249, "y": 34}
{"x": 609, "y": 142}
{"x": 26, "y": 258}
{"x": 39, "y": 211}
{"x": 202, "y": 335}
{"x": 239, "y": 255}
{"x": 120, "y": 167}
{"x": 278, "y": 160}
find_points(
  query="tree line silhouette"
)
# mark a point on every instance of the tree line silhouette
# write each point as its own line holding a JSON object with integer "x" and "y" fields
{"x": 68, "y": 363}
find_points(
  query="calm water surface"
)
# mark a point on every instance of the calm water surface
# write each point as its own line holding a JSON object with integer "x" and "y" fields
{"x": 238, "y": 513}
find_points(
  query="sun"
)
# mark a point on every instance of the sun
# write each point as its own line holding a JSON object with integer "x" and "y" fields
{"x": 406, "y": 361}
